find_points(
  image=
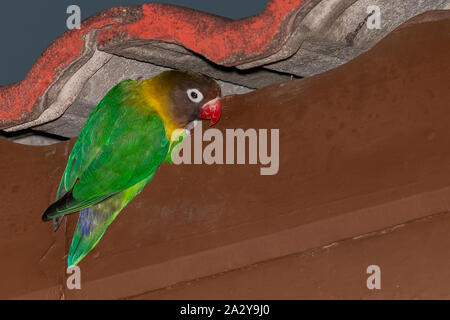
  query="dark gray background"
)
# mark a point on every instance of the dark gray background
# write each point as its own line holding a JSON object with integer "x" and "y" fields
{"x": 29, "y": 27}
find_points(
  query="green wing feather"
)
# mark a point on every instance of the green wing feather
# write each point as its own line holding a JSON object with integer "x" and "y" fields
{"x": 93, "y": 222}
{"x": 123, "y": 142}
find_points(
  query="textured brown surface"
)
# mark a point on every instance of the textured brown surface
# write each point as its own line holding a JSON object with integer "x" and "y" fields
{"x": 413, "y": 259}
{"x": 362, "y": 148}
{"x": 31, "y": 256}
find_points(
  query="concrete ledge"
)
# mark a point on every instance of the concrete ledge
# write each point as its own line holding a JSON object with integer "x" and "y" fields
{"x": 295, "y": 38}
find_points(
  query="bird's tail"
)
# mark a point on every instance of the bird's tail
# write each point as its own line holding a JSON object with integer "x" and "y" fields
{"x": 93, "y": 222}
{"x": 52, "y": 212}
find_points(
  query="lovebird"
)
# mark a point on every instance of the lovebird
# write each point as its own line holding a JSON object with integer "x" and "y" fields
{"x": 124, "y": 140}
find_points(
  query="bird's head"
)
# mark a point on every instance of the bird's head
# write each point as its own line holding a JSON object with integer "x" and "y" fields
{"x": 189, "y": 96}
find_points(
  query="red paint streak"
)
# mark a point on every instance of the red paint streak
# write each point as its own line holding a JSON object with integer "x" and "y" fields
{"x": 18, "y": 99}
{"x": 214, "y": 37}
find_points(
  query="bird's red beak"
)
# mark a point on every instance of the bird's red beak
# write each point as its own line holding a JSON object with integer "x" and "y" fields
{"x": 211, "y": 111}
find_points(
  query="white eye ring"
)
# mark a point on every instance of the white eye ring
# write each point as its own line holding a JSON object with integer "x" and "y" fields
{"x": 195, "y": 95}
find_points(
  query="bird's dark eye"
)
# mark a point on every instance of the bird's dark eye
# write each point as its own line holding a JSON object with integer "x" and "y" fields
{"x": 195, "y": 95}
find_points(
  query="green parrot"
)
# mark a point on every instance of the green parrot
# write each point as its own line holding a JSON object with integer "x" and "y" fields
{"x": 125, "y": 139}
